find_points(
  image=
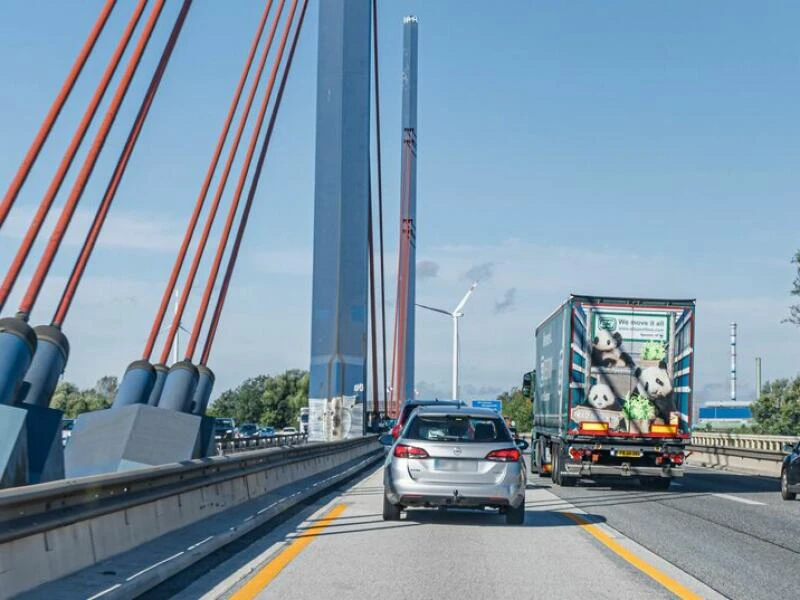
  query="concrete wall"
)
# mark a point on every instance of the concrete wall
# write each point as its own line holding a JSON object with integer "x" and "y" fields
{"x": 31, "y": 560}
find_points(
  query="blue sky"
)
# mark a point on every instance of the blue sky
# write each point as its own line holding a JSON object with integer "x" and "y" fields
{"x": 621, "y": 147}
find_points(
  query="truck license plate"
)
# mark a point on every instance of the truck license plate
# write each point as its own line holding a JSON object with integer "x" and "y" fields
{"x": 629, "y": 453}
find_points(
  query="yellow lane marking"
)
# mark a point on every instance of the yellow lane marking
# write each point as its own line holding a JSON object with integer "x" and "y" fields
{"x": 668, "y": 582}
{"x": 265, "y": 576}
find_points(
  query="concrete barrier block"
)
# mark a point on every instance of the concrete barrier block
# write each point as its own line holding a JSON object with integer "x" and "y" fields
{"x": 30, "y": 445}
{"x": 131, "y": 437}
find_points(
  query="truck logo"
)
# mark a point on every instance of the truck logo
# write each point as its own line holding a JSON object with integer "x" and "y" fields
{"x": 608, "y": 323}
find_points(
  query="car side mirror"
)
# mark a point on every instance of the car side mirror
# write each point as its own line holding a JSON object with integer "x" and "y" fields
{"x": 386, "y": 439}
{"x": 788, "y": 448}
{"x": 522, "y": 444}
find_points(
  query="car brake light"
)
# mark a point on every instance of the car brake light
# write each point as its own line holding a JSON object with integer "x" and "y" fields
{"x": 505, "y": 455}
{"x": 403, "y": 451}
{"x": 677, "y": 459}
{"x": 575, "y": 454}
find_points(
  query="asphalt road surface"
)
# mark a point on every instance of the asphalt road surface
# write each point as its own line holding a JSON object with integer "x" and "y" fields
{"x": 713, "y": 535}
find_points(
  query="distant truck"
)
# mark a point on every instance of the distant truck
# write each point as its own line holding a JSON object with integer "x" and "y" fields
{"x": 302, "y": 422}
{"x": 612, "y": 390}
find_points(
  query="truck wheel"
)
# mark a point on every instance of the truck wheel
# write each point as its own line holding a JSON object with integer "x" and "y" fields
{"x": 540, "y": 458}
{"x": 660, "y": 484}
{"x": 785, "y": 493}
{"x": 515, "y": 516}
{"x": 555, "y": 462}
{"x": 391, "y": 512}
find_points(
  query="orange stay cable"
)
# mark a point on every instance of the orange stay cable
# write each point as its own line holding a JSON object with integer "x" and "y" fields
{"x": 55, "y": 110}
{"x": 78, "y": 188}
{"x": 212, "y": 167}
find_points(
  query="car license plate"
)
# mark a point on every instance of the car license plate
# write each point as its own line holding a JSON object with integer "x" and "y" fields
{"x": 459, "y": 466}
{"x": 629, "y": 453}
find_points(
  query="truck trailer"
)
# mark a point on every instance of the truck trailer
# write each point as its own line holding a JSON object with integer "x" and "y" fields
{"x": 612, "y": 390}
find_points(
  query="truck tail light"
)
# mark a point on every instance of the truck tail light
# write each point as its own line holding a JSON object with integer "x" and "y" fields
{"x": 677, "y": 458}
{"x": 403, "y": 451}
{"x": 505, "y": 455}
{"x": 593, "y": 427}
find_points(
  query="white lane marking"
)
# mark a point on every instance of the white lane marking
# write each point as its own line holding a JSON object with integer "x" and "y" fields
{"x": 200, "y": 543}
{"x": 676, "y": 484}
{"x": 104, "y": 592}
{"x": 737, "y": 499}
{"x": 266, "y": 508}
{"x": 250, "y": 518}
{"x": 151, "y": 567}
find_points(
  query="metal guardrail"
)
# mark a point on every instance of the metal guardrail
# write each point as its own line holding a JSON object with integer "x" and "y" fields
{"x": 28, "y": 510}
{"x": 759, "y": 453}
{"x": 243, "y": 444}
{"x": 767, "y": 443}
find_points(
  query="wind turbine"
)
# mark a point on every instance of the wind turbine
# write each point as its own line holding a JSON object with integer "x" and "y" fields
{"x": 455, "y": 314}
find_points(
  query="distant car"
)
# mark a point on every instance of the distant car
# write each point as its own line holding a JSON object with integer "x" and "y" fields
{"x": 266, "y": 431}
{"x": 455, "y": 457}
{"x": 409, "y": 407}
{"x": 289, "y": 431}
{"x": 224, "y": 429}
{"x": 247, "y": 430}
{"x": 67, "y": 425}
{"x": 790, "y": 472}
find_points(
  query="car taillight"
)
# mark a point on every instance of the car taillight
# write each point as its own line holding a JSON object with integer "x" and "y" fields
{"x": 505, "y": 455}
{"x": 403, "y": 451}
{"x": 677, "y": 459}
{"x": 396, "y": 431}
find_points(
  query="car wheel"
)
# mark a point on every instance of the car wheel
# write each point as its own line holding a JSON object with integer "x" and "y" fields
{"x": 515, "y": 516}
{"x": 785, "y": 493}
{"x": 391, "y": 512}
{"x": 660, "y": 484}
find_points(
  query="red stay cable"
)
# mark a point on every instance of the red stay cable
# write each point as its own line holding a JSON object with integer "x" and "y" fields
{"x": 69, "y": 155}
{"x": 223, "y": 241}
{"x": 212, "y": 167}
{"x": 198, "y": 255}
{"x": 78, "y": 188}
{"x": 212, "y": 331}
{"x": 122, "y": 164}
{"x": 55, "y": 110}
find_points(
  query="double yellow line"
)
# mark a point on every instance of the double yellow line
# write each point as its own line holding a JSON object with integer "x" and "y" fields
{"x": 265, "y": 576}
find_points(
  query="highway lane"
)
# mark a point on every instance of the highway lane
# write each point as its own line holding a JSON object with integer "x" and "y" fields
{"x": 733, "y": 532}
{"x": 345, "y": 549}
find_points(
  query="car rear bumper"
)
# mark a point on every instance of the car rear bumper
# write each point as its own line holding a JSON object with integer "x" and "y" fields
{"x": 590, "y": 470}
{"x": 408, "y": 492}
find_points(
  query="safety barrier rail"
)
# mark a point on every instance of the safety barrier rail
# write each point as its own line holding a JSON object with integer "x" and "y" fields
{"x": 53, "y": 529}
{"x": 242, "y": 444}
{"x": 762, "y": 454}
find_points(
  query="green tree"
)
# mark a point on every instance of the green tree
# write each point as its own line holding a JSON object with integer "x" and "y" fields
{"x": 777, "y": 410}
{"x": 794, "y": 310}
{"x": 72, "y": 401}
{"x": 518, "y": 408}
{"x": 274, "y": 400}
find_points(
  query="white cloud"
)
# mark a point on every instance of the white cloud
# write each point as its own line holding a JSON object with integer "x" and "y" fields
{"x": 122, "y": 230}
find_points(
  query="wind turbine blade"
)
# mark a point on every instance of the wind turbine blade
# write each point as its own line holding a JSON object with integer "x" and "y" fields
{"x": 439, "y": 310}
{"x": 465, "y": 298}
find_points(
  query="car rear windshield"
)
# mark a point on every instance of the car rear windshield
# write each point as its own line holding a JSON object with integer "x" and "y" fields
{"x": 457, "y": 429}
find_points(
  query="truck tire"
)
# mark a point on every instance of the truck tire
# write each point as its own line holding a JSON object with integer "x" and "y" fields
{"x": 391, "y": 512}
{"x": 660, "y": 484}
{"x": 540, "y": 458}
{"x": 555, "y": 462}
{"x": 785, "y": 493}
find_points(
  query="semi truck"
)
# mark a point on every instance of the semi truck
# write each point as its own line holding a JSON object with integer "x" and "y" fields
{"x": 612, "y": 390}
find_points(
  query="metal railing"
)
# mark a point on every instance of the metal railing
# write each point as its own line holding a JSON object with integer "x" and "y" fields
{"x": 752, "y": 450}
{"x": 244, "y": 444}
